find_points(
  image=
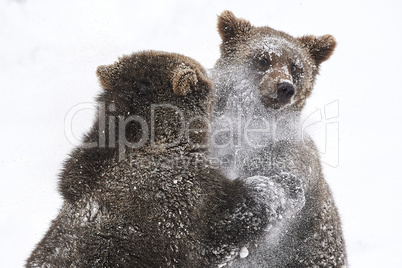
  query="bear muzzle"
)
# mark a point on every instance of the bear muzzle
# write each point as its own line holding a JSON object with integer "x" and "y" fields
{"x": 285, "y": 92}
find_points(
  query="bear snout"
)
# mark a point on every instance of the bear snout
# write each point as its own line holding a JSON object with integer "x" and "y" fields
{"x": 285, "y": 91}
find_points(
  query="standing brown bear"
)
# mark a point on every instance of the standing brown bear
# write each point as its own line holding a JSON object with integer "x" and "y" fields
{"x": 140, "y": 191}
{"x": 263, "y": 79}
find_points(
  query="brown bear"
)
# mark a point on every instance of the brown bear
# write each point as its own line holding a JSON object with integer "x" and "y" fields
{"x": 140, "y": 191}
{"x": 263, "y": 79}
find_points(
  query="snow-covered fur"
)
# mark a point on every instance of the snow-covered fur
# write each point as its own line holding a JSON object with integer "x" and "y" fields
{"x": 263, "y": 79}
{"x": 140, "y": 191}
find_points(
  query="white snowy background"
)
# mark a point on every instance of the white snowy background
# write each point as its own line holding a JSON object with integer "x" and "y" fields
{"x": 49, "y": 51}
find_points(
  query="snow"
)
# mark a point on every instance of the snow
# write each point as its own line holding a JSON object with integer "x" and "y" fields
{"x": 243, "y": 252}
{"x": 50, "y": 51}
{"x": 274, "y": 46}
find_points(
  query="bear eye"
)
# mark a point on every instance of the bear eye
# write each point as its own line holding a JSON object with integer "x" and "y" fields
{"x": 293, "y": 69}
{"x": 296, "y": 72}
{"x": 264, "y": 62}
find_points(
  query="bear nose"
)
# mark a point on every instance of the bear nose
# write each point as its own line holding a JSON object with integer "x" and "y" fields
{"x": 285, "y": 91}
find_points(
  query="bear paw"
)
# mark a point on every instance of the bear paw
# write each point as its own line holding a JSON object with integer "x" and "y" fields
{"x": 293, "y": 187}
{"x": 282, "y": 194}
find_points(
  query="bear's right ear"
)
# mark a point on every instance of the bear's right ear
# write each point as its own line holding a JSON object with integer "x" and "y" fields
{"x": 108, "y": 75}
{"x": 232, "y": 28}
{"x": 184, "y": 79}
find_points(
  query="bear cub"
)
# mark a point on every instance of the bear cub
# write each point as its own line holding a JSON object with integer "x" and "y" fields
{"x": 263, "y": 79}
{"x": 140, "y": 192}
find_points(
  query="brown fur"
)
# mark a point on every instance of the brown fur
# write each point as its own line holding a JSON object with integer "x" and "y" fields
{"x": 153, "y": 200}
{"x": 253, "y": 62}
{"x": 241, "y": 45}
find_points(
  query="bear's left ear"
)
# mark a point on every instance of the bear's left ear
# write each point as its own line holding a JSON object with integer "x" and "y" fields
{"x": 108, "y": 75}
{"x": 320, "y": 48}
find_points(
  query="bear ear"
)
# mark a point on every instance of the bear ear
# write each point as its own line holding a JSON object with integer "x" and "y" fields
{"x": 320, "y": 48}
{"x": 232, "y": 28}
{"x": 183, "y": 80}
{"x": 108, "y": 75}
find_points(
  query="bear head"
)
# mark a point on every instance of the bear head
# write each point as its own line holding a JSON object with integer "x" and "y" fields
{"x": 281, "y": 66}
{"x": 156, "y": 98}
